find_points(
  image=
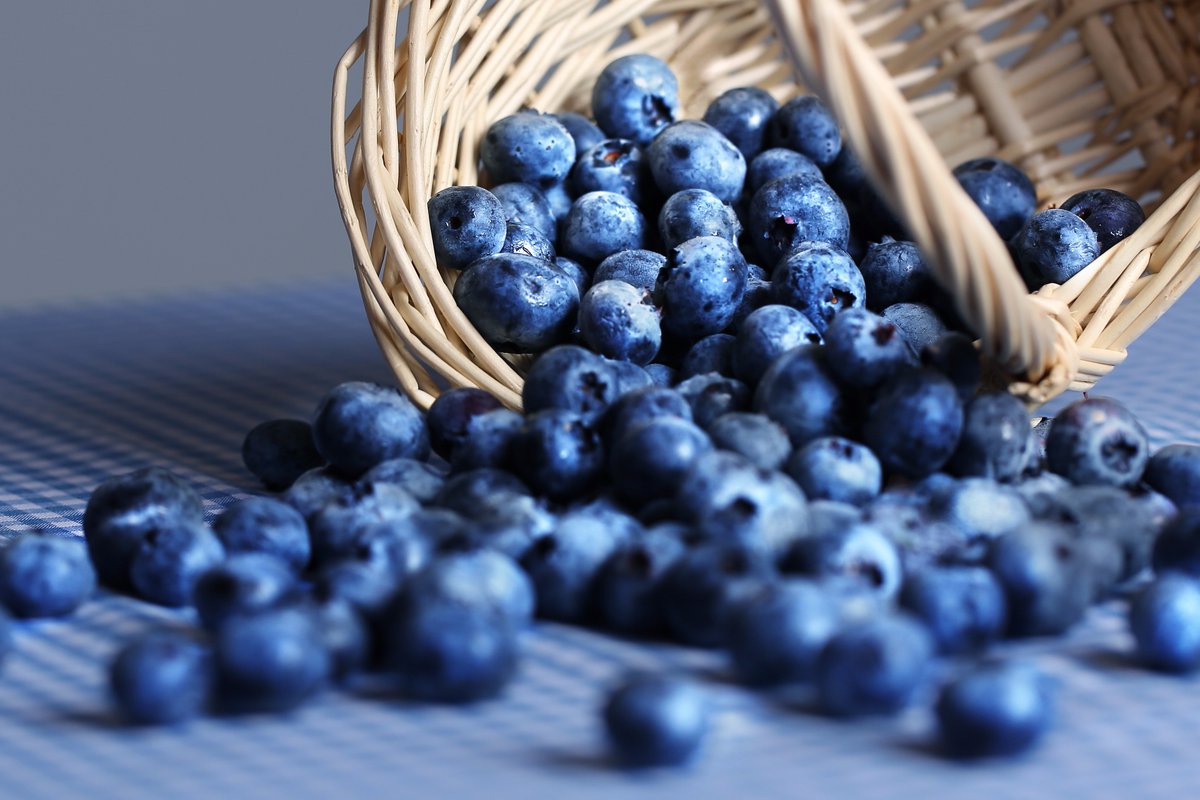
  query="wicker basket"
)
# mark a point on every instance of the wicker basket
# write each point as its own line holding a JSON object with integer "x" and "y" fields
{"x": 1074, "y": 91}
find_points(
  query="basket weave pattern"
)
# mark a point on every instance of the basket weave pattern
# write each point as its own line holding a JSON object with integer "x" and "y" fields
{"x": 1067, "y": 90}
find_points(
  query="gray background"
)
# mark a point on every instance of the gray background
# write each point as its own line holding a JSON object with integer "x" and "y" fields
{"x": 154, "y": 146}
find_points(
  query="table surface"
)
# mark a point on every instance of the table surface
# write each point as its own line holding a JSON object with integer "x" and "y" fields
{"x": 88, "y": 392}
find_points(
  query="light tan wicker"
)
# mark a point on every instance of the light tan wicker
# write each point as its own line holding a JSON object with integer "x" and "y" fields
{"x": 1067, "y": 89}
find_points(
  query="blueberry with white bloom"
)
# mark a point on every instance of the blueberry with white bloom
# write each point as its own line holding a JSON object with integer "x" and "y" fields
{"x": 639, "y": 268}
{"x": 357, "y": 425}
{"x": 874, "y": 667}
{"x": 914, "y": 422}
{"x": 467, "y": 223}
{"x": 835, "y": 468}
{"x": 863, "y": 349}
{"x": 743, "y": 115}
{"x": 1111, "y": 214}
{"x": 1097, "y": 441}
{"x": 895, "y": 272}
{"x": 819, "y": 280}
{"x": 756, "y": 437}
{"x": 704, "y": 584}
{"x": 694, "y": 155}
{"x": 767, "y": 333}
{"x": 1002, "y": 191}
{"x": 792, "y": 209}
{"x": 775, "y": 162}
{"x": 635, "y": 97}
{"x": 170, "y": 559}
{"x": 775, "y": 636}
{"x": 45, "y": 576}
{"x": 963, "y": 607}
{"x": 420, "y": 479}
{"x": 805, "y": 124}
{"x": 919, "y": 323}
{"x": 270, "y": 662}
{"x": 527, "y": 205}
{"x": 701, "y": 287}
{"x": 613, "y": 165}
{"x": 527, "y": 147}
{"x": 519, "y": 303}
{"x": 620, "y": 322}
{"x": 600, "y": 224}
{"x": 246, "y": 583}
{"x": 1175, "y": 472}
{"x": 799, "y": 392}
{"x": 265, "y": 525}
{"x": 696, "y": 212}
{"x": 526, "y": 240}
{"x": 1055, "y": 245}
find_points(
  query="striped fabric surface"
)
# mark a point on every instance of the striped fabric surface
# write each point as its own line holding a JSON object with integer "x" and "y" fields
{"x": 88, "y": 392}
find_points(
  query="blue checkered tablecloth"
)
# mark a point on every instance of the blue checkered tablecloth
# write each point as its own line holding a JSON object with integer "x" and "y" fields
{"x": 87, "y": 392}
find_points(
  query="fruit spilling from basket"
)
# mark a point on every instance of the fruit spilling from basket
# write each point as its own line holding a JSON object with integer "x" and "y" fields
{"x": 795, "y": 463}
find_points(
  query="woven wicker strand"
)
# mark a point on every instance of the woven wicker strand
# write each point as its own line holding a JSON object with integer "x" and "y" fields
{"x": 1065, "y": 89}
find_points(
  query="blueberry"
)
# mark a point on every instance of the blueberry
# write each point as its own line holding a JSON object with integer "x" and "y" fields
{"x": 629, "y": 583}
{"x": 122, "y": 510}
{"x": 526, "y": 240}
{"x": 834, "y": 468}
{"x": 743, "y": 115}
{"x": 863, "y": 349}
{"x": 728, "y": 499}
{"x": 655, "y": 721}
{"x": 487, "y": 441}
{"x": 164, "y": 678}
{"x": 620, "y": 322}
{"x": 519, "y": 303}
{"x": 829, "y": 516}
{"x": 526, "y": 205}
{"x": 873, "y": 217}
{"x": 582, "y": 130}
{"x": 914, "y": 422}
{"x": 792, "y": 209}
{"x": 575, "y": 271}
{"x": 767, "y": 333}
{"x": 600, "y": 224}
{"x": 1044, "y": 572}
{"x": 1055, "y": 245}
{"x": 962, "y": 606}
{"x": 638, "y": 268}
{"x": 358, "y": 425}
{"x": 1177, "y": 548}
{"x": 994, "y": 438}
{"x": 279, "y": 451}
{"x": 561, "y": 455}
{"x": 1164, "y": 618}
{"x": 527, "y": 147}
{"x": 345, "y": 635}
{"x": 6, "y": 635}
{"x": 1175, "y": 471}
{"x": 1002, "y": 191}
{"x": 757, "y": 295}
{"x": 314, "y": 489}
{"x": 1040, "y": 491}
{"x": 650, "y": 460}
{"x": 981, "y": 509}
{"x": 661, "y": 374}
{"x": 805, "y": 125}
{"x": 641, "y": 406}
{"x": 366, "y": 586}
{"x": 997, "y": 709}
{"x": 819, "y": 280}
{"x": 694, "y": 155}
{"x": 613, "y": 165}
{"x": 696, "y": 212}
{"x": 701, "y": 287}
{"x": 263, "y": 525}
{"x": 756, "y": 437}
{"x": 467, "y": 223}
{"x": 564, "y": 566}
{"x": 336, "y": 527}
{"x": 1112, "y": 215}
{"x": 423, "y": 481}
{"x": 713, "y": 353}
{"x": 635, "y": 97}
{"x": 703, "y": 584}
{"x": 895, "y": 272}
{"x": 874, "y": 667}
{"x": 402, "y": 546}
{"x": 45, "y": 576}
{"x": 245, "y": 583}
{"x": 799, "y": 393}
{"x": 711, "y": 395}
{"x": 170, "y": 558}
{"x": 774, "y": 637}
{"x": 776, "y": 162}
{"x": 470, "y": 492}
{"x": 860, "y": 552}
{"x": 271, "y": 661}
{"x": 952, "y": 354}
{"x": 481, "y": 579}
{"x": 449, "y": 418}
{"x": 1097, "y": 441}
{"x": 560, "y": 201}
{"x": 919, "y": 323}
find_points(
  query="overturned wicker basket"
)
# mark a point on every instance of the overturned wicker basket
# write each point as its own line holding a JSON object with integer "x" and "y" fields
{"x": 1074, "y": 91}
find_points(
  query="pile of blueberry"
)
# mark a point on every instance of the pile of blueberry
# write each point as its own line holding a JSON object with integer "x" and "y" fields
{"x": 660, "y": 242}
{"x": 800, "y": 469}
